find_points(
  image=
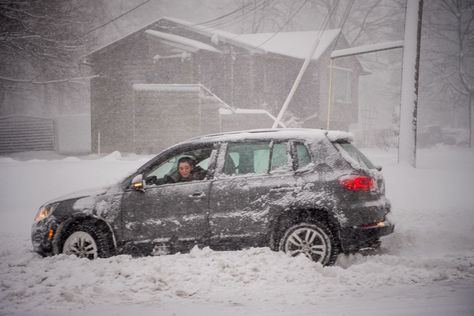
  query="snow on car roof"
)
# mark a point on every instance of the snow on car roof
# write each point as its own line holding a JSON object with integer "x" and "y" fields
{"x": 299, "y": 133}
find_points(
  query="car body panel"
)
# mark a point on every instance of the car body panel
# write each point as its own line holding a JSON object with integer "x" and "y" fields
{"x": 166, "y": 213}
{"x": 241, "y": 207}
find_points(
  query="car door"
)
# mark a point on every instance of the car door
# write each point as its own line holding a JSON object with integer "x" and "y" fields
{"x": 255, "y": 178}
{"x": 168, "y": 217}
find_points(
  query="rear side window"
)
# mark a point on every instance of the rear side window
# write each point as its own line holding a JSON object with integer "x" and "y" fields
{"x": 303, "y": 157}
{"x": 350, "y": 152}
{"x": 279, "y": 157}
{"x": 255, "y": 158}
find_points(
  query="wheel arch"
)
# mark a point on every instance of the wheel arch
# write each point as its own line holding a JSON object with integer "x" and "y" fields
{"x": 64, "y": 227}
{"x": 286, "y": 219}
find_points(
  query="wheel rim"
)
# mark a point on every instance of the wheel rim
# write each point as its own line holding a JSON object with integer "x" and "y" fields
{"x": 81, "y": 244}
{"x": 308, "y": 241}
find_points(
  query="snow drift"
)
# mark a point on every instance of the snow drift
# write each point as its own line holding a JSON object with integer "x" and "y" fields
{"x": 426, "y": 266}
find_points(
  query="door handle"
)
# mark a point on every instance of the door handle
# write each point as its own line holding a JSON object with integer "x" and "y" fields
{"x": 197, "y": 195}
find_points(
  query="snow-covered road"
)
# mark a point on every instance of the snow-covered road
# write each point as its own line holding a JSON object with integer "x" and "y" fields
{"x": 425, "y": 268}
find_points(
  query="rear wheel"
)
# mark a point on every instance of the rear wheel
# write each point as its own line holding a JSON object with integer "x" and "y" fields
{"x": 314, "y": 240}
{"x": 83, "y": 241}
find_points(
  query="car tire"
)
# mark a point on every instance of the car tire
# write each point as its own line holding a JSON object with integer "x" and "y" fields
{"x": 314, "y": 240}
{"x": 84, "y": 240}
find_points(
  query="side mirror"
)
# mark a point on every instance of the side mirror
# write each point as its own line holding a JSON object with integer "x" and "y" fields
{"x": 137, "y": 183}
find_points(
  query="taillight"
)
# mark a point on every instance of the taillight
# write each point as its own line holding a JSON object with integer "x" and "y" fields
{"x": 357, "y": 183}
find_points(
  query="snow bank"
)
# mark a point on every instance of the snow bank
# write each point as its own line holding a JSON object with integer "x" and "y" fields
{"x": 249, "y": 276}
{"x": 426, "y": 267}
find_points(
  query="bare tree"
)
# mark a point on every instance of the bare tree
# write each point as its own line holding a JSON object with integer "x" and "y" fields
{"x": 41, "y": 38}
{"x": 364, "y": 21}
{"x": 40, "y": 45}
{"x": 254, "y": 16}
{"x": 449, "y": 53}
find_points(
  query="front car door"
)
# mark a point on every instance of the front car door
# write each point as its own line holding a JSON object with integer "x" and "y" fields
{"x": 255, "y": 179}
{"x": 168, "y": 217}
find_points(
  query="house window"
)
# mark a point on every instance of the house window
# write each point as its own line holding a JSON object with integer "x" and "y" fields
{"x": 342, "y": 85}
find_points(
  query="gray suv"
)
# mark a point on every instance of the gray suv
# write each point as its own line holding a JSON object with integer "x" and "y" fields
{"x": 301, "y": 191}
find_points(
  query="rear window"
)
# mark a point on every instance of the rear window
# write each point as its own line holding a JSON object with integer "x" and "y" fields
{"x": 350, "y": 152}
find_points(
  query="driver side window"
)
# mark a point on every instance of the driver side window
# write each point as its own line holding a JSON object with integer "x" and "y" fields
{"x": 190, "y": 165}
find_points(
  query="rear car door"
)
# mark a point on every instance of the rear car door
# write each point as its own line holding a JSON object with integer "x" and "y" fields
{"x": 255, "y": 178}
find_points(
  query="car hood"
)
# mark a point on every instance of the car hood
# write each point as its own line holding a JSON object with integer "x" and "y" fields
{"x": 80, "y": 194}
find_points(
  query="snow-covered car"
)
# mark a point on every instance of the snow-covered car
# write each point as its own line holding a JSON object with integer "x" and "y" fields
{"x": 301, "y": 191}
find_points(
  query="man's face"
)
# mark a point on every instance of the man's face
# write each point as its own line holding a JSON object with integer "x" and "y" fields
{"x": 184, "y": 169}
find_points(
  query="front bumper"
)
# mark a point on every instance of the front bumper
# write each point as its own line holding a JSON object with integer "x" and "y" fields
{"x": 41, "y": 237}
{"x": 366, "y": 236}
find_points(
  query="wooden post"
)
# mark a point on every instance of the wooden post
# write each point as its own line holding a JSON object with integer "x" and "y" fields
{"x": 329, "y": 94}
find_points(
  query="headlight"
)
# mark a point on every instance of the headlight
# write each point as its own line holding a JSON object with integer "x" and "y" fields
{"x": 45, "y": 211}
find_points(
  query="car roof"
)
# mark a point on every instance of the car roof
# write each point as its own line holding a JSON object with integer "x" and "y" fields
{"x": 305, "y": 134}
{"x": 277, "y": 133}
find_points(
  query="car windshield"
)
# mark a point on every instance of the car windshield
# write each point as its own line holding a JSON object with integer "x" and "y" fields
{"x": 347, "y": 149}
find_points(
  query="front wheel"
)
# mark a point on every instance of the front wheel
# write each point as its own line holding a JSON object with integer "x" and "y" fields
{"x": 84, "y": 242}
{"x": 314, "y": 240}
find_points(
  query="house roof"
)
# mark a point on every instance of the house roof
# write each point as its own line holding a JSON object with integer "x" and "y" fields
{"x": 180, "y": 41}
{"x": 292, "y": 44}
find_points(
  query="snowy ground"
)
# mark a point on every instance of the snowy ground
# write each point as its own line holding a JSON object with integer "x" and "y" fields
{"x": 425, "y": 268}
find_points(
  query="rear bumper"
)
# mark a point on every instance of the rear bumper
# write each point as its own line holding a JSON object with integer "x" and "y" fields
{"x": 355, "y": 238}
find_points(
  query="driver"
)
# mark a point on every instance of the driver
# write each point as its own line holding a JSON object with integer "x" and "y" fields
{"x": 188, "y": 171}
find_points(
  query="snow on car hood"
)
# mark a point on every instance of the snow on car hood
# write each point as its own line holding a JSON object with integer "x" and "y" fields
{"x": 82, "y": 193}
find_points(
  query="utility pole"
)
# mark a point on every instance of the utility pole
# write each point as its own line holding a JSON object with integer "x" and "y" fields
{"x": 410, "y": 78}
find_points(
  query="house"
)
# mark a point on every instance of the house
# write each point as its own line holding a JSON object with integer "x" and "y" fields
{"x": 173, "y": 79}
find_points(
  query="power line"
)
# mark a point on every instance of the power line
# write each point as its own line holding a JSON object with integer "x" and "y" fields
{"x": 116, "y": 18}
{"x": 285, "y": 24}
{"x": 345, "y": 17}
{"x": 225, "y": 15}
{"x": 304, "y": 67}
{"x": 242, "y": 16}
{"x": 98, "y": 27}
{"x": 323, "y": 27}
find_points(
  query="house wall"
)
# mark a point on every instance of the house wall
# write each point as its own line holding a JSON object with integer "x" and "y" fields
{"x": 238, "y": 122}
{"x": 167, "y": 116}
{"x": 341, "y": 115}
{"x": 278, "y": 76}
{"x": 240, "y": 77}
{"x": 24, "y": 133}
{"x": 73, "y": 134}
{"x": 112, "y": 94}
